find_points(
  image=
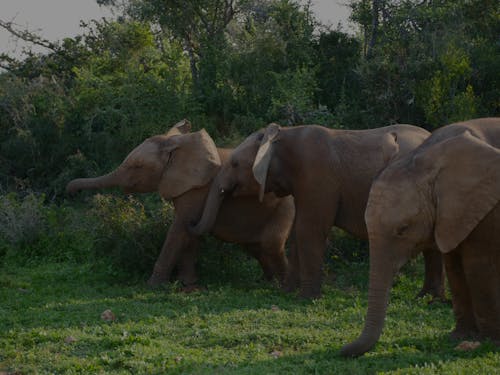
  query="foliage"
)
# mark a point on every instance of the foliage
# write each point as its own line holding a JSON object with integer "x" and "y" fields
{"x": 428, "y": 62}
{"x": 128, "y": 233}
{"x": 124, "y": 233}
{"x": 21, "y": 220}
{"x": 33, "y": 231}
{"x": 232, "y": 67}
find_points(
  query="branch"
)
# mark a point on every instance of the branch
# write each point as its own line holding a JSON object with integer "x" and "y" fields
{"x": 7, "y": 62}
{"x": 28, "y": 36}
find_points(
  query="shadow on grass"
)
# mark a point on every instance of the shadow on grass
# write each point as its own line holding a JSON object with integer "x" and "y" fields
{"x": 192, "y": 333}
{"x": 328, "y": 361}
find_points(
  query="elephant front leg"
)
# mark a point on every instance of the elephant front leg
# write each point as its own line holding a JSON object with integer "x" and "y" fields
{"x": 292, "y": 277}
{"x": 462, "y": 304}
{"x": 176, "y": 241}
{"x": 481, "y": 264}
{"x": 434, "y": 275}
{"x": 310, "y": 250}
{"x": 313, "y": 220}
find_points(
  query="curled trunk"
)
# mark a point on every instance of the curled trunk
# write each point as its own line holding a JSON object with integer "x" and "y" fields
{"x": 105, "y": 181}
{"x": 210, "y": 211}
{"x": 381, "y": 279}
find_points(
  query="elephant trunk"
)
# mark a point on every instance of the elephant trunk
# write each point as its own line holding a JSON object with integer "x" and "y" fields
{"x": 381, "y": 280}
{"x": 212, "y": 205}
{"x": 101, "y": 182}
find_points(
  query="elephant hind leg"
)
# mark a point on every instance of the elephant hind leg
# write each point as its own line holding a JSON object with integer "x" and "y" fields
{"x": 434, "y": 275}
{"x": 271, "y": 260}
{"x": 462, "y": 303}
{"x": 187, "y": 264}
{"x": 292, "y": 278}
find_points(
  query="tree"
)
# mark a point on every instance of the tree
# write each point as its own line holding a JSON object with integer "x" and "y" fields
{"x": 430, "y": 60}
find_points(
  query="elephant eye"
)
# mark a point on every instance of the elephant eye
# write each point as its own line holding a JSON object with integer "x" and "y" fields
{"x": 234, "y": 164}
{"x": 402, "y": 229}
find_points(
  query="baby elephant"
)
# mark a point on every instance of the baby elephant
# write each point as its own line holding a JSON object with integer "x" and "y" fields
{"x": 329, "y": 173}
{"x": 181, "y": 166}
{"x": 446, "y": 193}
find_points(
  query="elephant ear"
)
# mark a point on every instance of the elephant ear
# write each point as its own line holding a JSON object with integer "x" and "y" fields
{"x": 467, "y": 187}
{"x": 191, "y": 161}
{"x": 390, "y": 147}
{"x": 182, "y": 127}
{"x": 263, "y": 157}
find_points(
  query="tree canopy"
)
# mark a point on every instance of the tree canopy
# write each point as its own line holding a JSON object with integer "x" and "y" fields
{"x": 232, "y": 66}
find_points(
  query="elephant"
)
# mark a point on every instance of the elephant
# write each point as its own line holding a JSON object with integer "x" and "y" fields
{"x": 446, "y": 194}
{"x": 329, "y": 173}
{"x": 180, "y": 165}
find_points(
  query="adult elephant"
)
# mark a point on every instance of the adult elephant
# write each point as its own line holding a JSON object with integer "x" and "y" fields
{"x": 446, "y": 193}
{"x": 181, "y": 165}
{"x": 329, "y": 173}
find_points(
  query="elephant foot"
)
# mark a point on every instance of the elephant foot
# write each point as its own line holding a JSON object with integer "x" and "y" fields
{"x": 290, "y": 284}
{"x": 444, "y": 301}
{"x": 310, "y": 293}
{"x": 289, "y": 287}
{"x": 459, "y": 334}
{"x": 192, "y": 289}
{"x": 437, "y": 294}
{"x": 156, "y": 279}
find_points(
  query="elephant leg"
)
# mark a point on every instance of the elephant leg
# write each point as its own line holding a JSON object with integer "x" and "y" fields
{"x": 177, "y": 240}
{"x": 187, "y": 264}
{"x": 481, "y": 267}
{"x": 312, "y": 225}
{"x": 292, "y": 278}
{"x": 311, "y": 251}
{"x": 434, "y": 275}
{"x": 265, "y": 262}
{"x": 461, "y": 299}
{"x": 278, "y": 261}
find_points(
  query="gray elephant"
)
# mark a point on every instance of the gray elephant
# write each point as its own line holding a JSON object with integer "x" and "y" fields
{"x": 446, "y": 193}
{"x": 180, "y": 166}
{"x": 329, "y": 173}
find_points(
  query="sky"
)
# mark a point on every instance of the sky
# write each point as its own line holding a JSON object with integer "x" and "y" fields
{"x": 57, "y": 19}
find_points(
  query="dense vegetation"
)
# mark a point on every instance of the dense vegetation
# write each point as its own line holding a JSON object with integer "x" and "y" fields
{"x": 230, "y": 66}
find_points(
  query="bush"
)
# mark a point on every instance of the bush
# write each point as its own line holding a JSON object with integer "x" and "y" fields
{"x": 128, "y": 233}
{"x": 34, "y": 231}
{"x": 21, "y": 219}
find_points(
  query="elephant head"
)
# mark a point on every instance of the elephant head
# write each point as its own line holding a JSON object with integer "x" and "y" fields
{"x": 244, "y": 175}
{"x": 172, "y": 164}
{"x": 434, "y": 196}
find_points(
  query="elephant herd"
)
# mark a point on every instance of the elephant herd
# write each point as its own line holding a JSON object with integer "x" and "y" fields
{"x": 403, "y": 189}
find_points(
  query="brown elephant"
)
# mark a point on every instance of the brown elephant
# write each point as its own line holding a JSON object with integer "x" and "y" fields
{"x": 181, "y": 165}
{"x": 446, "y": 194}
{"x": 329, "y": 173}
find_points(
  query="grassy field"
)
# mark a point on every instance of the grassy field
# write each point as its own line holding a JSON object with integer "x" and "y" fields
{"x": 50, "y": 322}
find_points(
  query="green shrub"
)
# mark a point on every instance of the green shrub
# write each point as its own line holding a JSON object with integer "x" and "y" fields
{"x": 33, "y": 231}
{"x": 128, "y": 232}
{"x": 21, "y": 219}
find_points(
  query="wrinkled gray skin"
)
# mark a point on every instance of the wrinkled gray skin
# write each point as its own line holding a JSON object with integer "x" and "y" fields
{"x": 181, "y": 166}
{"x": 446, "y": 193}
{"x": 329, "y": 173}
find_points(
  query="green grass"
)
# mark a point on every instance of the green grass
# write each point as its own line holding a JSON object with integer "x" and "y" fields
{"x": 240, "y": 325}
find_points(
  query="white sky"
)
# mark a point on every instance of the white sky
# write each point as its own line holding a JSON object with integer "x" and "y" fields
{"x": 57, "y": 19}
